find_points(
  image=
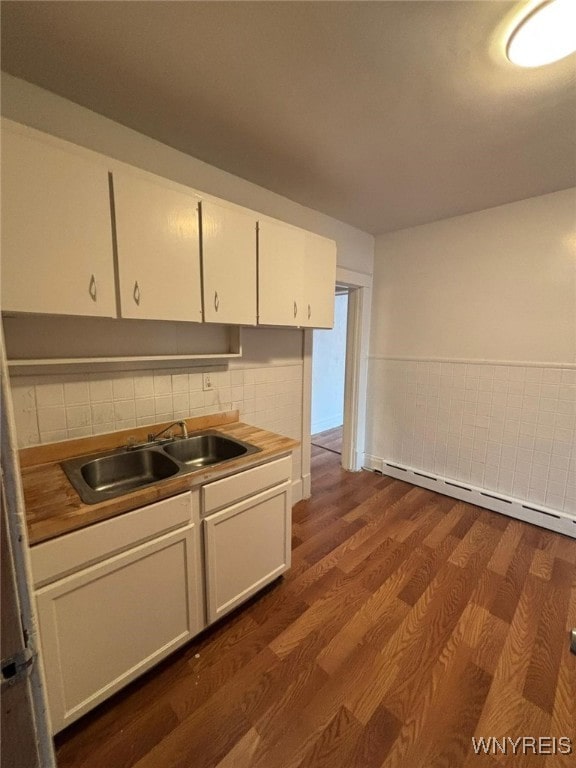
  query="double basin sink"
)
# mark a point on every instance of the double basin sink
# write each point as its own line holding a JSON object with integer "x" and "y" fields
{"x": 107, "y": 475}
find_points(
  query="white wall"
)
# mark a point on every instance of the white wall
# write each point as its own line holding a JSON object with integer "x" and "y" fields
{"x": 472, "y": 371}
{"x": 499, "y": 284}
{"x": 328, "y": 368}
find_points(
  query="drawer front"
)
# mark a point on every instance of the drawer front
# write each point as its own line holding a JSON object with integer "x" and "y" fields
{"x": 66, "y": 554}
{"x": 224, "y": 492}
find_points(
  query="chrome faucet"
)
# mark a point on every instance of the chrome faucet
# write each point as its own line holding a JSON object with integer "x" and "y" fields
{"x": 133, "y": 444}
{"x": 181, "y": 424}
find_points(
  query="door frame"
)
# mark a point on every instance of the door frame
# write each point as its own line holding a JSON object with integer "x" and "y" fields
{"x": 357, "y": 342}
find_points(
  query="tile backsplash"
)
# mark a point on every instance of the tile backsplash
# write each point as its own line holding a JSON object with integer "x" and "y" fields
{"x": 503, "y": 428}
{"x": 59, "y": 407}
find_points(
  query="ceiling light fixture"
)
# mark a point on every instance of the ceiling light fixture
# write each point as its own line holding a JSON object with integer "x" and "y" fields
{"x": 545, "y": 35}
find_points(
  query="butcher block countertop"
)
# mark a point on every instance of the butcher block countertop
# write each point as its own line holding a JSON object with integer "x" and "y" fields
{"x": 53, "y": 506}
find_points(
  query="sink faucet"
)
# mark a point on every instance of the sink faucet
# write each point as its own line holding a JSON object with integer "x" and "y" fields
{"x": 181, "y": 424}
{"x": 133, "y": 444}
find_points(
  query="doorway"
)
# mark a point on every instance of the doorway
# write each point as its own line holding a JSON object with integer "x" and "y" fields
{"x": 359, "y": 287}
{"x": 328, "y": 378}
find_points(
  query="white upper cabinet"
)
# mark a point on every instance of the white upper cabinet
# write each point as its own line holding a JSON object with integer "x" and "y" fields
{"x": 158, "y": 248}
{"x": 83, "y": 234}
{"x": 281, "y": 251}
{"x": 228, "y": 264}
{"x": 57, "y": 254}
{"x": 319, "y": 282}
{"x": 297, "y": 277}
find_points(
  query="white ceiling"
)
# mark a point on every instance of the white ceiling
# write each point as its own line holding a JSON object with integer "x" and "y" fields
{"x": 382, "y": 114}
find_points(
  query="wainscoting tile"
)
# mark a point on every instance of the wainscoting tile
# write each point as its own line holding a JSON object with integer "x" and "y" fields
{"x": 520, "y": 419}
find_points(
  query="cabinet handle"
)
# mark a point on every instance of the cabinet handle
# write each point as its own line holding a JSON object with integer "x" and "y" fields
{"x": 92, "y": 288}
{"x": 309, "y": 312}
{"x": 136, "y": 293}
{"x": 216, "y": 301}
{"x": 295, "y": 309}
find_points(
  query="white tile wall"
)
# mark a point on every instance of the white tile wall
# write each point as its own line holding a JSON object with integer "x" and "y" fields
{"x": 50, "y": 408}
{"x": 503, "y": 428}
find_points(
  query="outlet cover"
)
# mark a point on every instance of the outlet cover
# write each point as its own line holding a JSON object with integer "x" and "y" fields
{"x": 207, "y": 381}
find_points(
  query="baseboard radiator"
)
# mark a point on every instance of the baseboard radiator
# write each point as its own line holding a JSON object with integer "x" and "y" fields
{"x": 561, "y": 522}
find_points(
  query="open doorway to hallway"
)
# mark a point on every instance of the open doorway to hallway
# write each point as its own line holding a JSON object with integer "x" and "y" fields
{"x": 328, "y": 378}
{"x": 358, "y": 287}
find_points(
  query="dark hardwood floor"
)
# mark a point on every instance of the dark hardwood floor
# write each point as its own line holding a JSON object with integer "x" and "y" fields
{"x": 331, "y": 439}
{"x": 409, "y": 623}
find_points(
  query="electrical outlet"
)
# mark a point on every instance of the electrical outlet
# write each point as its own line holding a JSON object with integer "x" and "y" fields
{"x": 207, "y": 381}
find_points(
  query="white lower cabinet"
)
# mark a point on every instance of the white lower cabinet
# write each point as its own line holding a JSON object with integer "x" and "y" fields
{"x": 246, "y": 547}
{"x": 104, "y": 625}
{"x": 247, "y": 544}
{"x": 115, "y": 598}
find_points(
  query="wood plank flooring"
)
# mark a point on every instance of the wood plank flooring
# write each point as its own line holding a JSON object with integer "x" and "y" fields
{"x": 330, "y": 439}
{"x": 409, "y": 623}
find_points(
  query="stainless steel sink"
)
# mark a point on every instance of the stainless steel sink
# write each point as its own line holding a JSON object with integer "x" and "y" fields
{"x": 207, "y": 448}
{"x": 107, "y": 475}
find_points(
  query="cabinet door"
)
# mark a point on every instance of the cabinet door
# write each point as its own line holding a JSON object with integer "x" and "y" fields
{"x": 319, "y": 282}
{"x": 246, "y": 546}
{"x": 57, "y": 252}
{"x": 105, "y": 625}
{"x": 158, "y": 249}
{"x": 280, "y": 258}
{"x": 228, "y": 265}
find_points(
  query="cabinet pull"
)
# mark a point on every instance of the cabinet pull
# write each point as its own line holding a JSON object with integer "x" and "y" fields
{"x": 309, "y": 312}
{"x": 295, "y": 309}
{"x": 92, "y": 288}
{"x": 216, "y": 301}
{"x": 136, "y": 293}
